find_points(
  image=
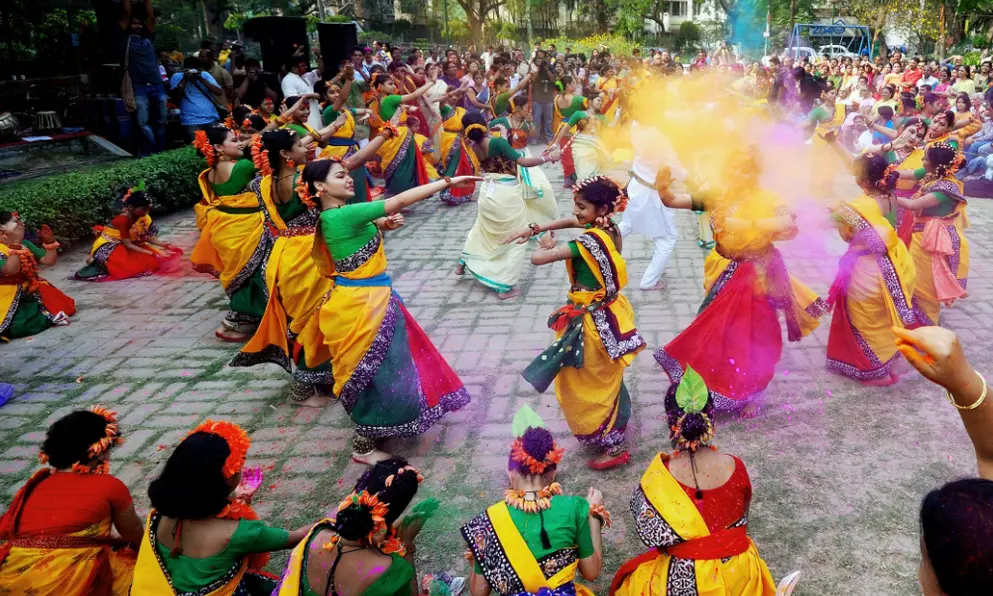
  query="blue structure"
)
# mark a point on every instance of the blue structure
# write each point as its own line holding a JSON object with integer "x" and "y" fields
{"x": 856, "y": 38}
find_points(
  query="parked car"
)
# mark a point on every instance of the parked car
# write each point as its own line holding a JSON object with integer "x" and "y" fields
{"x": 800, "y": 52}
{"x": 835, "y": 51}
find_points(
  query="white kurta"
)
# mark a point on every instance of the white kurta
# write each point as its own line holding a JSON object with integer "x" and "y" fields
{"x": 294, "y": 84}
{"x": 645, "y": 213}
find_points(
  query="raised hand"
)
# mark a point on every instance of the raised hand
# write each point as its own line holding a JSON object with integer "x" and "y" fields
{"x": 251, "y": 480}
{"x": 937, "y": 354}
{"x": 46, "y": 234}
{"x": 594, "y": 496}
{"x": 395, "y": 221}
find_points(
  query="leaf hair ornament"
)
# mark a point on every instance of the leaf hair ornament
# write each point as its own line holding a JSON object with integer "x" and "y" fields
{"x": 692, "y": 396}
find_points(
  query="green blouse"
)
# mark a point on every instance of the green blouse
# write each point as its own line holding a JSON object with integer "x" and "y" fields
{"x": 584, "y": 275}
{"x": 567, "y": 523}
{"x": 292, "y": 208}
{"x": 577, "y": 104}
{"x": 946, "y": 204}
{"x": 388, "y": 106}
{"x": 395, "y": 581}
{"x": 242, "y": 175}
{"x": 189, "y": 574}
{"x": 501, "y": 105}
{"x": 349, "y": 228}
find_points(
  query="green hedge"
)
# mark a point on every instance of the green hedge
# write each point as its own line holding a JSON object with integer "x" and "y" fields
{"x": 74, "y": 202}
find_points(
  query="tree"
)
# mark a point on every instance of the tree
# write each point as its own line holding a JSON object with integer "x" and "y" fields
{"x": 476, "y": 12}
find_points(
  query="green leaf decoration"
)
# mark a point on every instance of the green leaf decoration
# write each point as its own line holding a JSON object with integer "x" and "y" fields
{"x": 525, "y": 418}
{"x": 691, "y": 395}
{"x": 421, "y": 511}
{"x": 140, "y": 187}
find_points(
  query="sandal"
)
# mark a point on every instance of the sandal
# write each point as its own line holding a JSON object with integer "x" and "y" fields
{"x": 614, "y": 462}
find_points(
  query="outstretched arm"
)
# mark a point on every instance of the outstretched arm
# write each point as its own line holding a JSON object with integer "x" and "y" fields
{"x": 922, "y": 202}
{"x": 418, "y": 194}
{"x": 421, "y": 90}
{"x": 364, "y": 154}
{"x": 533, "y": 229}
{"x": 523, "y": 83}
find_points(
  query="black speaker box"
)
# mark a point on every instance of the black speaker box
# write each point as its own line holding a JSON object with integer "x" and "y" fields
{"x": 337, "y": 42}
{"x": 278, "y": 38}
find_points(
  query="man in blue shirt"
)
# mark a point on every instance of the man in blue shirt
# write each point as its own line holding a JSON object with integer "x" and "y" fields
{"x": 194, "y": 91}
{"x": 143, "y": 65}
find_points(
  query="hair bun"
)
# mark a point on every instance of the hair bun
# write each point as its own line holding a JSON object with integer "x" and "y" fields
{"x": 537, "y": 442}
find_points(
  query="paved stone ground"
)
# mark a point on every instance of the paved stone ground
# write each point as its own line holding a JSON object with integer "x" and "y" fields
{"x": 838, "y": 470}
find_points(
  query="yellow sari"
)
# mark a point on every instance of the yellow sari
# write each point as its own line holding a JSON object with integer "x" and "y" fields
{"x": 872, "y": 293}
{"x": 406, "y": 159}
{"x": 735, "y": 340}
{"x": 150, "y": 578}
{"x": 457, "y": 158}
{"x": 595, "y": 341}
{"x": 231, "y": 243}
{"x": 507, "y": 562}
{"x": 611, "y": 103}
{"x": 940, "y": 251}
{"x": 825, "y": 159}
{"x": 82, "y": 563}
{"x": 670, "y": 523}
{"x": 296, "y": 290}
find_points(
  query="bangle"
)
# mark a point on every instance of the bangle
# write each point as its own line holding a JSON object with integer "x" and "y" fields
{"x": 600, "y": 512}
{"x": 51, "y": 245}
{"x": 977, "y": 403}
{"x": 448, "y": 180}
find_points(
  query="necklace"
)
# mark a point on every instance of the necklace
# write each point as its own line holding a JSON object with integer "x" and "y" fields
{"x": 532, "y": 501}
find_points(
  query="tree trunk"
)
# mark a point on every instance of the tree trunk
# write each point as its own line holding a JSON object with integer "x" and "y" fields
{"x": 210, "y": 20}
{"x": 789, "y": 32}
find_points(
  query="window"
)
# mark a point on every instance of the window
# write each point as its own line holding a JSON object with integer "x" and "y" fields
{"x": 678, "y": 8}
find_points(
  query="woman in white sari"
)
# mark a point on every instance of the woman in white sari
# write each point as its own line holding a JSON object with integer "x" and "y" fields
{"x": 505, "y": 206}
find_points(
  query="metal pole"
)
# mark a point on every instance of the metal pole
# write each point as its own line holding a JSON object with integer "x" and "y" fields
{"x": 448, "y": 41}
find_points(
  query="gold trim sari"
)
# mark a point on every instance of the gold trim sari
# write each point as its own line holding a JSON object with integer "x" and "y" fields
{"x": 686, "y": 558}
{"x": 508, "y": 564}
{"x": 457, "y": 158}
{"x": 595, "y": 341}
{"x": 940, "y": 250}
{"x": 343, "y": 145}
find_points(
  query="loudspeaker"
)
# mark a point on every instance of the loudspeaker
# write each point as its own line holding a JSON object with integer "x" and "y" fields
{"x": 278, "y": 37}
{"x": 337, "y": 42}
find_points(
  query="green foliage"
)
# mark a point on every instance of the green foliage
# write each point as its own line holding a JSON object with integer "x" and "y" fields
{"x": 618, "y": 45}
{"x": 74, "y": 202}
{"x": 367, "y": 37}
{"x": 688, "y": 36}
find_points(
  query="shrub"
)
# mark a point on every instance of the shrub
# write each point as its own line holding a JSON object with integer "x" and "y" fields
{"x": 74, "y": 202}
{"x": 618, "y": 45}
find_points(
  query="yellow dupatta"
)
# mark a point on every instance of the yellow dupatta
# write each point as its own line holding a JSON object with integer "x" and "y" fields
{"x": 150, "y": 578}
{"x": 519, "y": 556}
{"x": 231, "y": 227}
{"x": 347, "y": 131}
{"x": 665, "y": 517}
{"x": 295, "y": 289}
{"x": 139, "y": 232}
{"x": 295, "y": 575}
{"x": 9, "y": 294}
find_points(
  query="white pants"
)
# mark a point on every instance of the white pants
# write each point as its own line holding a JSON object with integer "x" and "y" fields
{"x": 647, "y": 216}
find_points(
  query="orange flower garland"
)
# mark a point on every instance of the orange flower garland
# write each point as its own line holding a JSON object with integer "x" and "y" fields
{"x": 518, "y": 454}
{"x": 111, "y": 438}
{"x": 260, "y": 157}
{"x": 202, "y": 143}
{"x": 29, "y": 265}
{"x": 377, "y": 510}
{"x": 542, "y": 501}
{"x": 236, "y": 438}
{"x": 303, "y": 192}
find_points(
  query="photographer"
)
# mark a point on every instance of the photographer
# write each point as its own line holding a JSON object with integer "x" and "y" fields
{"x": 253, "y": 88}
{"x": 542, "y": 95}
{"x": 194, "y": 92}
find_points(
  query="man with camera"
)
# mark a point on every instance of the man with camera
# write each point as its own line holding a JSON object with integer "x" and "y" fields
{"x": 542, "y": 96}
{"x": 194, "y": 90}
{"x": 253, "y": 89}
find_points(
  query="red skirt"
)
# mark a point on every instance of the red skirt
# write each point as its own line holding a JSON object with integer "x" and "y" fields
{"x": 734, "y": 343}
{"x": 55, "y": 301}
{"x": 125, "y": 264}
{"x": 568, "y": 166}
{"x": 438, "y": 380}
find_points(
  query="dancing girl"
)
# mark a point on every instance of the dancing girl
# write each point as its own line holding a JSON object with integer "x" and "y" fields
{"x": 595, "y": 335}
{"x": 388, "y": 375}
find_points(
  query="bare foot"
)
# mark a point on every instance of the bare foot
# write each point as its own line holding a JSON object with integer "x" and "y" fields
{"x": 372, "y": 458}
{"x": 314, "y": 401}
{"x": 657, "y": 286}
{"x": 224, "y": 334}
{"x": 750, "y": 411}
{"x": 511, "y": 293}
{"x": 460, "y": 269}
{"x": 880, "y": 382}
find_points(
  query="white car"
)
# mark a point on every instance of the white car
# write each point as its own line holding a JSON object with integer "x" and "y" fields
{"x": 835, "y": 51}
{"x": 800, "y": 52}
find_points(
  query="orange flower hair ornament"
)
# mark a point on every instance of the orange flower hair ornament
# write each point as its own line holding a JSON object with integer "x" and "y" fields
{"x": 518, "y": 454}
{"x": 236, "y": 438}
{"x": 203, "y": 145}
{"x": 376, "y": 508}
{"x": 111, "y": 438}
{"x": 260, "y": 157}
{"x": 887, "y": 173}
{"x": 246, "y": 123}
{"x": 303, "y": 192}
{"x": 229, "y": 123}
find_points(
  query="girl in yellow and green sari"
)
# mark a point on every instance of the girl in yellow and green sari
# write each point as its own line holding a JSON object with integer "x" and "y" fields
{"x": 406, "y": 160}
{"x": 873, "y": 291}
{"x": 388, "y": 375}
{"x": 361, "y": 550}
{"x": 28, "y": 303}
{"x": 457, "y": 156}
{"x": 202, "y": 535}
{"x": 536, "y": 540}
{"x": 289, "y": 334}
{"x": 825, "y": 118}
{"x": 502, "y": 92}
{"x": 57, "y": 536}
{"x": 516, "y": 127}
{"x": 232, "y": 245}
{"x": 609, "y": 89}
{"x": 938, "y": 245}
{"x": 565, "y": 105}
{"x": 342, "y": 144}
{"x": 129, "y": 246}
{"x": 590, "y": 156}
{"x": 691, "y": 510}
{"x": 595, "y": 335}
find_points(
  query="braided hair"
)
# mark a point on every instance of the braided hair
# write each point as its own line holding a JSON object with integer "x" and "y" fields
{"x": 393, "y": 483}
{"x": 944, "y": 158}
{"x": 874, "y": 171}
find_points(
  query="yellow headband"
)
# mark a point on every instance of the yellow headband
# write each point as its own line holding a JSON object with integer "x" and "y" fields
{"x": 473, "y": 127}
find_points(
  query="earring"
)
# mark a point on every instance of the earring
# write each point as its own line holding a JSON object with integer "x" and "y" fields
{"x": 290, "y": 163}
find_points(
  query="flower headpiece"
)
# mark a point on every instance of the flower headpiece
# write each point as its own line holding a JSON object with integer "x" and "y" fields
{"x": 620, "y": 202}
{"x": 204, "y": 146}
{"x": 887, "y": 174}
{"x": 246, "y": 123}
{"x": 229, "y": 123}
{"x": 691, "y": 398}
{"x": 376, "y": 508}
{"x": 260, "y": 157}
{"x": 473, "y": 127}
{"x": 139, "y": 188}
{"x": 236, "y": 438}
{"x": 303, "y": 192}
{"x": 524, "y": 419}
{"x": 111, "y": 438}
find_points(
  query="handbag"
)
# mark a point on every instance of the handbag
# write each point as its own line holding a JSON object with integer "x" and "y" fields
{"x": 127, "y": 89}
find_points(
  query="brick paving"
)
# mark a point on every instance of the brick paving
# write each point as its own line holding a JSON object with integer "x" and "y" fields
{"x": 838, "y": 470}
